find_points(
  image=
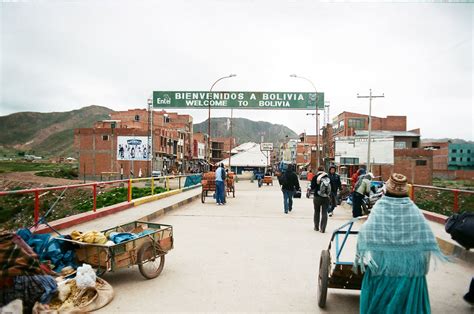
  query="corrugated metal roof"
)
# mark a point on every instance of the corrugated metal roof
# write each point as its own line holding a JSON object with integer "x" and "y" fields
{"x": 386, "y": 133}
{"x": 252, "y": 157}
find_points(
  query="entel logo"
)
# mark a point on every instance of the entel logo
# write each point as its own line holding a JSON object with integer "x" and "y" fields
{"x": 165, "y": 101}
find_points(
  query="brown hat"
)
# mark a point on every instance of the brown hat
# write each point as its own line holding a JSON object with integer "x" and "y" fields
{"x": 397, "y": 185}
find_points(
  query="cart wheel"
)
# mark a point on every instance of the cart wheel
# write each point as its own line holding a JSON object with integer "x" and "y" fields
{"x": 323, "y": 278}
{"x": 233, "y": 192}
{"x": 203, "y": 197}
{"x": 151, "y": 260}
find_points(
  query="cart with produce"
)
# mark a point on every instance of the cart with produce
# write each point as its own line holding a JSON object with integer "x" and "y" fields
{"x": 139, "y": 243}
{"x": 333, "y": 272}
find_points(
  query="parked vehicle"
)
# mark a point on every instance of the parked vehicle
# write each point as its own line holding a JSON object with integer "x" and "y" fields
{"x": 376, "y": 193}
{"x": 156, "y": 173}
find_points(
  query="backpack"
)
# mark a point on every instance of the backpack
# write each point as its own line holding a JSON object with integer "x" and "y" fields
{"x": 282, "y": 179}
{"x": 223, "y": 174}
{"x": 324, "y": 187}
{"x": 461, "y": 229}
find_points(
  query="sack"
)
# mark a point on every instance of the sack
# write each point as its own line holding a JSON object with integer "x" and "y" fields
{"x": 297, "y": 193}
{"x": 324, "y": 187}
{"x": 461, "y": 229}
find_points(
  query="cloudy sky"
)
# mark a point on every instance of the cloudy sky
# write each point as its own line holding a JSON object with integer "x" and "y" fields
{"x": 63, "y": 55}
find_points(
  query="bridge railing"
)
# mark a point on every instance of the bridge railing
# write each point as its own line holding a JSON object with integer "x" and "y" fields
{"x": 164, "y": 183}
{"x": 443, "y": 201}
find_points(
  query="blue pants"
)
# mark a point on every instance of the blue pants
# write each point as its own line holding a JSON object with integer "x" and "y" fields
{"x": 287, "y": 200}
{"x": 220, "y": 192}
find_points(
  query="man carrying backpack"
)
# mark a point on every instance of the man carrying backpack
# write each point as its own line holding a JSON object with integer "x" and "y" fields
{"x": 289, "y": 184}
{"x": 361, "y": 189}
{"x": 321, "y": 185}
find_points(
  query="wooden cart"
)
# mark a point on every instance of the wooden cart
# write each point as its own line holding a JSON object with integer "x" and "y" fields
{"x": 208, "y": 184}
{"x": 333, "y": 272}
{"x": 268, "y": 180}
{"x": 147, "y": 251}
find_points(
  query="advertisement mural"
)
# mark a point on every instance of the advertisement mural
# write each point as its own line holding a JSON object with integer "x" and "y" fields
{"x": 133, "y": 148}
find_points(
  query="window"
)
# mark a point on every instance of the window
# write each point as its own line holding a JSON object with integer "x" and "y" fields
{"x": 414, "y": 144}
{"x": 105, "y": 137}
{"x": 454, "y": 151}
{"x": 137, "y": 118}
{"x": 357, "y": 124}
{"x": 468, "y": 159}
{"x": 421, "y": 162}
{"x": 453, "y": 158}
{"x": 400, "y": 145}
{"x": 460, "y": 159}
{"x": 468, "y": 151}
{"x": 460, "y": 151}
{"x": 341, "y": 124}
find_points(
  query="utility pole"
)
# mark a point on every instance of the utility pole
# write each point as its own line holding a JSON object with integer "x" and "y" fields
{"x": 370, "y": 96}
{"x": 149, "y": 148}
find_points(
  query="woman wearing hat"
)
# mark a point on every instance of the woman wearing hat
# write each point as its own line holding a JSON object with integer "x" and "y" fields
{"x": 394, "y": 248}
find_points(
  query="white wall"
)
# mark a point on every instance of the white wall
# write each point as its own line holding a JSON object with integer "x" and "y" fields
{"x": 381, "y": 149}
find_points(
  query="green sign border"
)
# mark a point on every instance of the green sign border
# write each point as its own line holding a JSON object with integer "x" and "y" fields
{"x": 237, "y": 100}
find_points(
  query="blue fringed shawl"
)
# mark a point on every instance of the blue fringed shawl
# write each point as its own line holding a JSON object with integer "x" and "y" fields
{"x": 396, "y": 240}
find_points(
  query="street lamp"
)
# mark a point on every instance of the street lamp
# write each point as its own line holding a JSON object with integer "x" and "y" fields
{"x": 316, "y": 114}
{"x": 209, "y": 116}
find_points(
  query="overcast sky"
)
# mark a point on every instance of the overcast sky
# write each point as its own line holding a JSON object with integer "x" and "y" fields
{"x": 58, "y": 56}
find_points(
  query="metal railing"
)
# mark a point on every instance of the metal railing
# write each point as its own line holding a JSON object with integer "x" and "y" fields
{"x": 38, "y": 192}
{"x": 444, "y": 201}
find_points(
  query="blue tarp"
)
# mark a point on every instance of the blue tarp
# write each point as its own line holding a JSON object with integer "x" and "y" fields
{"x": 49, "y": 249}
{"x": 192, "y": 180}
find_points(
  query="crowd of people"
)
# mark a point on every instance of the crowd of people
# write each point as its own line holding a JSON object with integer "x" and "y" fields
{"x": 394, "y": 246}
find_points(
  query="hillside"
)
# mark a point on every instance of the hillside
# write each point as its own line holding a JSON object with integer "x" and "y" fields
{"x": 245, "y": 130}
{"x": 453, "y": 140}
{"x": 46, "y": 134}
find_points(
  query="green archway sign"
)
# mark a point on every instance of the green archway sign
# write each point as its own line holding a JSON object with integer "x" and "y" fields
{"x": 237, "y": 100}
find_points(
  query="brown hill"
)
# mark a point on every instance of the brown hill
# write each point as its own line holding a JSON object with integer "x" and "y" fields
{"x": 46, "y": 134}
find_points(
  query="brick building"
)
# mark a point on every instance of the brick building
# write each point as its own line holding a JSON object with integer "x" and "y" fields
{"x": 452, "y": 160}
{"x": 121, "y": 146}
{"x": 391, "y": 151}
{"x": 220, "y": 148}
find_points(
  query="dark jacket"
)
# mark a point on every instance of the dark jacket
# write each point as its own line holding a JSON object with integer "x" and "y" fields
{"x": 335, "y": 182}
{"x": 290, "y": 181}
{"x": 315, "y": 183}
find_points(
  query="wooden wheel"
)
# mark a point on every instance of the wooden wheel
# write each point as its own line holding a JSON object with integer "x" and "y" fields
{"x": 151, "y": 260}
{"x": 203, "y": 196}
{"x": 323, "y": 278}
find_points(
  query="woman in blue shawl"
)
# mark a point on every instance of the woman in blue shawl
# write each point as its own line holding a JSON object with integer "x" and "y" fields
{"x": 394, "y": 248}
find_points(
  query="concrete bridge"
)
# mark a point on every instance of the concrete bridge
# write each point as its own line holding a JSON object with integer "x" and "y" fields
{"x": 249, "y": 256}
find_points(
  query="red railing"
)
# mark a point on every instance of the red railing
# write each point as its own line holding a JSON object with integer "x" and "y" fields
{"x": 94, "y": 186}
{"x": 456, "y": 193}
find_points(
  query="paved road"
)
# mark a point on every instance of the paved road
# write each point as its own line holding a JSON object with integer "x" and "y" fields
{"x": 250, "y": 256}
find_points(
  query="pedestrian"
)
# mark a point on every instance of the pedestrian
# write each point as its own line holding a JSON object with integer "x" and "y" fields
{"x": 321, "y": 185}
{"x": 310, "y": 175}
{"x": 289, "y": 184}
{"x": 220, "y": 178}
{"x": 361, "y": 189}
{"x": 394, "y": 248}
{"x": 335, "y": 186}
{"x": 355, "y": 177}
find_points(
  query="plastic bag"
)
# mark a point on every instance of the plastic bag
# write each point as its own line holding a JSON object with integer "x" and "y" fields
{"x": 85, "y": 276}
